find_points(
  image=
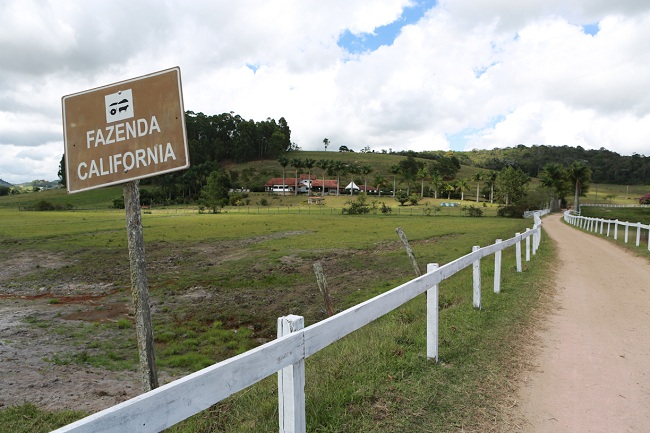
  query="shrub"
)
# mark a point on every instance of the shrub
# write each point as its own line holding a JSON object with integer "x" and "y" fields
{"x": 645, "y": 199}
{"x": 358, "y": 206}
{"x": 472, "y": 211}
{"x": 401, "y": 197}
{"x": 512, "y": 211}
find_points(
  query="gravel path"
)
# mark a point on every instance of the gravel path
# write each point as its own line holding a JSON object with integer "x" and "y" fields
{"x": 593, "y": 367}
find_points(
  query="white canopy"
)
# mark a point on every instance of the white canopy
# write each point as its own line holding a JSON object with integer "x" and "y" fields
{"x": 352, "y": 185}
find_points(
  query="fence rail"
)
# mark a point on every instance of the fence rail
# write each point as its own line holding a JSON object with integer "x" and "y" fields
{"x": 597, "y": 225}
{"x": 169, "y": 404}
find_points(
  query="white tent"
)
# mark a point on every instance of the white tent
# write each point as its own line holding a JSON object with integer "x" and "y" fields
{"x": 352, "y": 185}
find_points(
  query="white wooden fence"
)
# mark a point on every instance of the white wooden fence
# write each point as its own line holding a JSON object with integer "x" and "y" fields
{"x": 169, "y": 404}
{"x": 597, "y": 225}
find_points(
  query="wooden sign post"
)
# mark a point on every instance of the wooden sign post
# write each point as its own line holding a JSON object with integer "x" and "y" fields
{"x": 118, "y": 134}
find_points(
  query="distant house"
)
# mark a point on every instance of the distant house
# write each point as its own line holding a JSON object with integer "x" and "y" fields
{"x": 276, "y": 185}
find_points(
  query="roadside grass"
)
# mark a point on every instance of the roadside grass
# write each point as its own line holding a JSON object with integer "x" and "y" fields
{"x": 220, "y": 281}
{"x": 28, "y": 418}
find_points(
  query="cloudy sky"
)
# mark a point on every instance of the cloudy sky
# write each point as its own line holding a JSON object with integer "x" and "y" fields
{"x": 388, "y": 74}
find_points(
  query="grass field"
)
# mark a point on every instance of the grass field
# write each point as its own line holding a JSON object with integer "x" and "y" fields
{"x": 211, "y": 275}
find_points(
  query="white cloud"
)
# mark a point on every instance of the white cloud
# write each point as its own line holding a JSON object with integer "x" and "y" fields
{"x": 498, "y": 72}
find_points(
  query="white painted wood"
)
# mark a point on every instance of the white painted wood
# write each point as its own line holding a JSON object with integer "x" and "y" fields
{"x": 433, "y": 311}
{"x": 477, "y": 279}
{"x": 626, "y": 230}
{"x": 638, "y": 234}
{"x": 615, "y": 229}
{"x": 608, "y": 224}
{"x": 497, "y": 269}
{"x": 518, "y": 252}
{"x": 527, "y": 247}
{"x": 291, "y": 383}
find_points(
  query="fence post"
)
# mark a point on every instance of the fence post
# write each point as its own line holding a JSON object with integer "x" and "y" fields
{"x": 432, "y": 317}
{"x": 497, "y": 269}
{"x": 477, "y": 279}
{"x": 518, "y": 251}
{"x": 608, "y": 224}
{"x": 602, "y": 225}
{"x": 626, "y": 230}
{"x": 291, "y": 383}
{"x": 638, "y": 234}
{"x": 527, "y": 246}
{"x": 615, "y": 229}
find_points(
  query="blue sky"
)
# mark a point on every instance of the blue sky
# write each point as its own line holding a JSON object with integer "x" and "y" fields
{"x": 384, "y": 35}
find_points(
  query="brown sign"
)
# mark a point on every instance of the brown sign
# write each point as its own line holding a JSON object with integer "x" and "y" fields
{"x": 125, "y": 131}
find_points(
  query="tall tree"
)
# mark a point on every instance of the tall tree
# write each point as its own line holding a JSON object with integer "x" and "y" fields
{"x": 580, "y": 175}
{"x": 283, "y": 162}
{"x": 338, "y": 168}
{"x": 555, "y": 177}
{"x": 380, "y": 182}
{"x": 296, "y": 163}
{"x": 323, "y": 164}
{"x": 462, "y": 185}
{"x": 395, "y": 169}
{"x": 478, "y": 177}
{"x": 409, "y": 170}
{"x": 61, "y": 173}
{"x": 423, "y": 174}
{"x": 512, "y": 184}
{"x": 491, "y": 179}
{"x": 366, "y": 169}
{"x": 309, "y": 163}
{"x": 436, "y": 182}
{"x": 326, "y": 143}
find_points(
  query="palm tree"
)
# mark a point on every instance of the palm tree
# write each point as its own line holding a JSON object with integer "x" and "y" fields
{"x": 436, "y": 181}
{"x": 283, "y": 162}
{"x": 296, "y": 163}
{"x": 338, "y": 168}
{"x": 380, "y": 181}
{"x": 326, "y": 143}
{"x": 309, "y": 163}
{"x": 580, "y": 175}
{"x": 491, "y": 180}
{"x": 449, "y": 188}
{"x": 366, "y": 169}
{"x": 461, "y": 185}
{"x": 395, "y": 169}
{"x": 422, "y": 174}
{"x": 478, "y": 177}
{"x": 554, "y": 176}
{"x": 323, "y": 164}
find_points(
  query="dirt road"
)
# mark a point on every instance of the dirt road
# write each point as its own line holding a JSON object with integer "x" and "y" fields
{"x": 593, "y": 366}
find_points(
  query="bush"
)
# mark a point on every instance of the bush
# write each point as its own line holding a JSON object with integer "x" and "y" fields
{"x": 401, "y": 197}
{"x": 358, "y": 207}
{"x": 472, "y": 211}
{"x": 414, "y": 199}
{"x": 512, "y": 211}
{"x": 645, "y": 199}
{"x": 44, "y": 205}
